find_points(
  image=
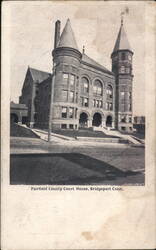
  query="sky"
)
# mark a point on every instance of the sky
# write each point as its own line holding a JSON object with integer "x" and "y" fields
{"x": 95, "y": 25}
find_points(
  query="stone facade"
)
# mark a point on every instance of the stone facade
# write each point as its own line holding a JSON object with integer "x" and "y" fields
{"x": 82, "y": 93}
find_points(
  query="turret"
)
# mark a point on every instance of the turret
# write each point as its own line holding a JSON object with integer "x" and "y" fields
{"x": 66, "y": 61}
{"x": 122, "y": 68}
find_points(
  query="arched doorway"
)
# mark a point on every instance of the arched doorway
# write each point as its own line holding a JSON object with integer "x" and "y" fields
{"x": 109, "y": 121}
{"x": 14, "y": 118}
{"x": 83, "y": 120}
{"x": 97, "y": 120}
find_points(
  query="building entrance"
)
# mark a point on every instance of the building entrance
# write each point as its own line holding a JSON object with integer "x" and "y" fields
{"x": 83, "y": 120}
{"x": 97, "y": 120}
{"x": 109, "y": 121}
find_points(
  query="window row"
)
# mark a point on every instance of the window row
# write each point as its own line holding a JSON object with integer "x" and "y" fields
{"x": 123, "y": 94}
{"x": 69, "y": 78}
{"x": 69, "y": 112}
{"x": 69, "y": 96}
{"x": 123, "y": 70}
{"x": 125, "y": 108}
{"x": 84, "y": 101}
{"x": 70, "y": 126}
{"x": 125, "y": 118}
{"x": 97, "y": 103}
{"x": 109, "y": 106}
{"x": 97, "y": 88}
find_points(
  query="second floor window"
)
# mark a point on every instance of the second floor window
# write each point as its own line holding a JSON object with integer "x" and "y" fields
{"x": 71, "y": 112}
{"x": 64, "y": 112}
{"x": 109, "y": 106}
{"x": 85, "y": 102}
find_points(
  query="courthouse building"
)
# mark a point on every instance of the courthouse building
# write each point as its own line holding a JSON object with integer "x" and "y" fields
{"x": 80, "y": 92}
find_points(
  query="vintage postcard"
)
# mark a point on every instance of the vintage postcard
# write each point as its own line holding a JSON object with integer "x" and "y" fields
{"x": 78, "y": 125}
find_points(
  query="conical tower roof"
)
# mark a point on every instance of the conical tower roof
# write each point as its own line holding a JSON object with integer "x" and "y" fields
{"x": 122, "y": 42}
{"x": 67, "y": 38}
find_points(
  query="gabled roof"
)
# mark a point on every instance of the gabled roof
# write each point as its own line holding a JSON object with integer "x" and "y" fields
{"x": 122, "y": 42}
{"x": 38, "y": 75}
{"x": 67, "y": 38}
{"x": 91, "y": 62}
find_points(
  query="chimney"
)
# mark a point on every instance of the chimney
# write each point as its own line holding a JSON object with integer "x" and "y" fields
{"x": 57, "y": 33}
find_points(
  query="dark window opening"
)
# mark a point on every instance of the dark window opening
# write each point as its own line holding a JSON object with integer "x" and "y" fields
{"x": 71, "y": 126}
{"x": 63, "y": 126}
{"x": 123, "y": 56}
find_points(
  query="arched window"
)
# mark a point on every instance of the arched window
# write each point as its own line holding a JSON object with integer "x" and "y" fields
{"x": 109, "y": 91}
{"x": 97, "y": 88}
{"x": 85, "y": 85}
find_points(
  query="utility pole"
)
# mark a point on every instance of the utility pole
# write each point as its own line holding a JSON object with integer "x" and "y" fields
{"x": 51, "y": 104}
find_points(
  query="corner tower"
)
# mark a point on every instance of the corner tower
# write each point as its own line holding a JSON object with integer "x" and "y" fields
{"x": 66, "y": 61}
{"x": 122, "y": 68}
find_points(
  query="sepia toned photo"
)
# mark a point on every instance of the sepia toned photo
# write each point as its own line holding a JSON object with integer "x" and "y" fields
{"x": 78, "y": 125}
{"x": 77, "y": 111}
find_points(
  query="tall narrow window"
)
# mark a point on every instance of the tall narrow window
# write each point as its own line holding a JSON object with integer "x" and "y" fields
{"x": 130, "y": 95}
{"x": 123, "y": 57}
{"x": 129, "y": 107}
{"x": 100, "y": 104}
{"x": 97, "y": 87}
{"x": 85, "y": 101}
{"x": 81, "y": 100}
{"x": 64, "y": 112}
{"x": 109, "y": 91}
{"x": 71, "y": 112}
{"x": 76, "y": 97}
{"x": 72, "y": 80}
{"x": 71, "y": 96}
{"x": 94, "y": 103}
{"x": 64, "y": 95}
{"x": 85, "y": 85}
{"x": 65, "y": 79}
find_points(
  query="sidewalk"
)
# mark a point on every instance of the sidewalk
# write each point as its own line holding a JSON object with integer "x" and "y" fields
{"x": 19, "y": 145}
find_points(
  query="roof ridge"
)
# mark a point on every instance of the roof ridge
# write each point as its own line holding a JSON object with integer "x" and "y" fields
{"x": 39, "y": 70}
{"x": 96, "y": 64}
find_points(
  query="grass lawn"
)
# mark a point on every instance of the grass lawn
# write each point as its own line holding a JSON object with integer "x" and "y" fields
{"x": 83, "y": 165}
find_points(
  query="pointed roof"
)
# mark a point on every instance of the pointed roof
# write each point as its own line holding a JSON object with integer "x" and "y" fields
{"x": 67, "y": 38}
{"x": 122, "y": 41}
{"x": 91, "y": 62}
{"x": 38, "y": 75}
